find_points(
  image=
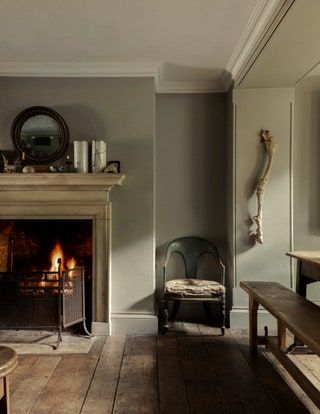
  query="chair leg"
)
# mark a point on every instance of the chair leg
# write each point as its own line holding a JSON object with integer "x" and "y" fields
{"x": 175, "y": 310}
{"x": 223, "y": 313}
{"x": 166, "y": 315}
{"x": 163, "y": 316}
{"x": 208, "y": 311}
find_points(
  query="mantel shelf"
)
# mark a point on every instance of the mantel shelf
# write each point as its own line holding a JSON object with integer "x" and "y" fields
{"x": 60, "y": 181}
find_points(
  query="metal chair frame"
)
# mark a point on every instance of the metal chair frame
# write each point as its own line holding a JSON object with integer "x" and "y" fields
{"x": 191, "y": 249}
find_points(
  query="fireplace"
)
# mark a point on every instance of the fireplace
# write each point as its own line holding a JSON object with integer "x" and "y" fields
{"x": 68, "y": 203}
{"x": 45, "y": 273}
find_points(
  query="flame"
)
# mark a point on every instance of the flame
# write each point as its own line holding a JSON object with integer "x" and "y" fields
{"x": 71, "y": 263}
{"x": 56, "y": 254}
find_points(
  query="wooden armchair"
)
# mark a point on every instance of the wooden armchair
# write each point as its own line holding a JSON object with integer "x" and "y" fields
{"x": 191, "y": 288}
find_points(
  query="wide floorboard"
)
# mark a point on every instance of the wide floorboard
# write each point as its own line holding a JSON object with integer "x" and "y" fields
{"x": 191, "y": 369}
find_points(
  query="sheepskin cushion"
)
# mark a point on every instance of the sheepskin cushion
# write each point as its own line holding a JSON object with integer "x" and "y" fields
{"x": 194, "y": 287}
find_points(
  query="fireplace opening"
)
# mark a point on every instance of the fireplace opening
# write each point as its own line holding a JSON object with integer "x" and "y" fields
{"x": 45, "y": 273}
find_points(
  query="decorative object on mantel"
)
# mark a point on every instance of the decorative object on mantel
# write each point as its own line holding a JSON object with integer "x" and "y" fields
{"x": 113, "y": 167}
{"x": 270, "y": 147}
{"x": 28, "y": 169}
{"x": 8, "y": 168}
{"x": 81, "y": 159}
{"x": 41, "y": 133}
{"x": 98, "y": 156}
{"x": 62, "y": 168}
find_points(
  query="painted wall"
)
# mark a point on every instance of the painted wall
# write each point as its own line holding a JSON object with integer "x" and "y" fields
{"x": 190, "y": 171}
{"x": 120, "y": 111}
{"x": 257, "y": 109}
{"x": 306, "y": 155}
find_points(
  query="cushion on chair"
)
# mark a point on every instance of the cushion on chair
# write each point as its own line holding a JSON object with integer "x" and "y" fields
{"x": 194, "y": 288}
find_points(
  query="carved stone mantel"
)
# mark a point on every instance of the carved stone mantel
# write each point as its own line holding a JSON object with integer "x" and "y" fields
{"x": 69, "y": 196}
{"x": 58, "y": 181}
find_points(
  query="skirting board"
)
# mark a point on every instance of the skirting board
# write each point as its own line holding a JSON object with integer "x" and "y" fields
{"x": 133, "y": 323}
{"x": 239, "y": 318}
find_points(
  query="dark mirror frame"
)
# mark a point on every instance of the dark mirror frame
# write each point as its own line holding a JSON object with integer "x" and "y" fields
{"x": 28, "y": 113}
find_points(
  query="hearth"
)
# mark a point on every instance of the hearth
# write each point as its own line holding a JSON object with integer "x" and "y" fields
{"x": 45, "y": 274}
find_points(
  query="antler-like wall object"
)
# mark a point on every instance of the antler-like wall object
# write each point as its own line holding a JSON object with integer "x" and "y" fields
{"x": 271, "y": 147}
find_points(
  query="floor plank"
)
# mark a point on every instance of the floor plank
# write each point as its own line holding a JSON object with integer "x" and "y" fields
{"x": 203, "y": 388}
{"x": 97, "y": 346}
{"x": 137, "y": 391}
{"x": 28, "y": 390}
{"x": 65, "y": 391}
{"x": 281, "y": 394}
{"x": 184, "y": 328}
{"x": 103, "y": 387}
{"x": 243, "y": 389}
{"x": 172, "y": 390}
{"x": 22, "y": 371}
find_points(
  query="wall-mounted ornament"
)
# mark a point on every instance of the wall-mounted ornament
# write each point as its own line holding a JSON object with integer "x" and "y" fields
{"x": 41, "y": 134}
{"x": 270, "y": 147}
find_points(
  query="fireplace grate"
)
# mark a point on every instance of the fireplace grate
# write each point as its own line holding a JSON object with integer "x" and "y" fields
{"x": 42, "y": 300}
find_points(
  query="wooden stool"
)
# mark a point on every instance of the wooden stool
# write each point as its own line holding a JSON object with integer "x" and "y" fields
{"x": 8, "y": 361}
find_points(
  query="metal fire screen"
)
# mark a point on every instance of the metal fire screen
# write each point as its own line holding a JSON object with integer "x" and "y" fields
{"x": 51, "y": 300}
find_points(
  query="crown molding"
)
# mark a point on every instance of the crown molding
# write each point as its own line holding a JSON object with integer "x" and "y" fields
{"x": 167, "y": 86}
{"x": 79, "y": 69}
{"x": 188, "y": 87}
{"x": 119, "y": 69}
{"x": 265, "y": 18}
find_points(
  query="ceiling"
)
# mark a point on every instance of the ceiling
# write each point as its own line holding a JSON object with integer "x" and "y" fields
{"x": 292, "y": 52}
{"x": 192, "y": 41}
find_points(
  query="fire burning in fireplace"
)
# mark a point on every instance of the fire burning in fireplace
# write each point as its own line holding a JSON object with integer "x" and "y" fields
{"x": 56, "y": 254}
{"x": 45, "y": 273}
{"x": 51, "y": 278}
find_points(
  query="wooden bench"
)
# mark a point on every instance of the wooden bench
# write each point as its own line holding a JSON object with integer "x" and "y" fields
{"x": 293, "y": 312}
{"x": 8, "y": 361}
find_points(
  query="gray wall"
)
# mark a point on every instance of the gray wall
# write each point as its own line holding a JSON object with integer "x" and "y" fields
{"x": 306, "y": 151}
{"x": 121, "y": 112}
{"x": 190, "y": 172}
{"x": 190, "y": 169}
{"x": 257, "y": 109}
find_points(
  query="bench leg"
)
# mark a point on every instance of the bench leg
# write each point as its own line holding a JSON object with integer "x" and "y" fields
{"x": 282, "y": 340}
{"x": 5, "y": 400}
{"x": 253, "y": 324}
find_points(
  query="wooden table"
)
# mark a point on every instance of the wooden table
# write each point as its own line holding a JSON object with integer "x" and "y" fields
{"x": 308, "y": 271}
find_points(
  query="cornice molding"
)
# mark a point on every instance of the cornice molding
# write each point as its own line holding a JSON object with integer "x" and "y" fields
{"x": 264, "y": 20}
{"x": 79, "y": 69}
{"x": 163, "y": 85}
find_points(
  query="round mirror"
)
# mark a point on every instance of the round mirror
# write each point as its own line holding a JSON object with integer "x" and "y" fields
{"x": 41, "y": 133}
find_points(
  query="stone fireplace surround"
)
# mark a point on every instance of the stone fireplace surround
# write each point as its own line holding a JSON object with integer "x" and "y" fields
{"x": 69, "y": 196}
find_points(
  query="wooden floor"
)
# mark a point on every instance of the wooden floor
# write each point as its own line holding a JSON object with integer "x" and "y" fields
{"x": 192, "y": 369}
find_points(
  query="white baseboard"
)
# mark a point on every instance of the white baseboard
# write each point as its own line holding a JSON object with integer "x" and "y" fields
{"x": 133, "y": 323}
{"x": 100, "y": 329}
{"x": 239, "y": 318}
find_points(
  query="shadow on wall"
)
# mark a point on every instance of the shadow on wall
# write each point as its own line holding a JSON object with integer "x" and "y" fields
{"x": 143, "y": 304}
